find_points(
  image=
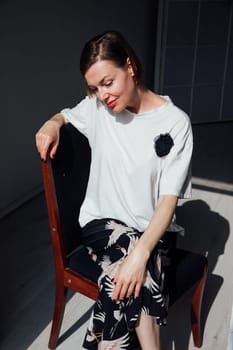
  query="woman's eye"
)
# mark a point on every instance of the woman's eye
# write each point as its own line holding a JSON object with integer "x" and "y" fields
{"x": 108, "y": 83}
{"x": 92, "y": 89}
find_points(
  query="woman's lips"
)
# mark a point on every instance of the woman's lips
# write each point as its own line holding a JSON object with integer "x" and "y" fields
{"x": 112, "y": 103}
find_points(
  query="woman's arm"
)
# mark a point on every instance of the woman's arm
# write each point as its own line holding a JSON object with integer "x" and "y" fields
{"x": 49, "y": 134}
{"x": 159, "y": 222}
{"x": 130, "y": 275}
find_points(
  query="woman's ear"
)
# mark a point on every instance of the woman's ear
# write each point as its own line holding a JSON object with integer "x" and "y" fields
{"x": 130, "y": 67}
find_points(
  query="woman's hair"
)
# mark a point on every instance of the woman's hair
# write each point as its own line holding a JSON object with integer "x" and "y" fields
{"x": 112, "y": 46}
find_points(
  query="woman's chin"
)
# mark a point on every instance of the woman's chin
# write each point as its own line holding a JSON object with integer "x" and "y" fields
{"x": 117, "y": 109}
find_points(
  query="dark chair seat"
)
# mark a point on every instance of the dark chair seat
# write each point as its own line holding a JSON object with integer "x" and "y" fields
{"x": 186, "y": 270}
{"x": 81, "y": 262}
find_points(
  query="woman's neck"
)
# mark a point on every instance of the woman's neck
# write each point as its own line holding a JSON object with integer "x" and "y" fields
{"x": 145, "y": 100}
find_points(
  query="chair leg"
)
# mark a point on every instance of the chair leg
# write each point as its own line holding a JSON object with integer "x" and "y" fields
{"x": 196, "y": 310}
{"x": 59, "y": 307}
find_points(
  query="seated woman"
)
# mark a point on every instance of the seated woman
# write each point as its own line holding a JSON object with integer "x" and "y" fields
{"x": 141, "y": 146}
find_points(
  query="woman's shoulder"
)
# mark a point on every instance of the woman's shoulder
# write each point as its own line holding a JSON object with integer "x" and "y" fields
{"x": 88, "y": 101}
{"x": 89, "y": 104}
{"x": 175, "y": 114}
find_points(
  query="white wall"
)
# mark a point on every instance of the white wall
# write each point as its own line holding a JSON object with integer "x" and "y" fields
{"x": 40, "y": 44}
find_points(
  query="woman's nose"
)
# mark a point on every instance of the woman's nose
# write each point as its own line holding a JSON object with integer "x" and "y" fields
{"x": 102, "y": 95}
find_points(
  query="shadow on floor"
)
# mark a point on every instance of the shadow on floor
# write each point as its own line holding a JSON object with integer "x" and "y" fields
{"x": 205, "y": 231}
{"x": 27, "y": 274}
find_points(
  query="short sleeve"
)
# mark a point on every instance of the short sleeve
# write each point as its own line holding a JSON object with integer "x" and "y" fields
{"x": 80, "y": 116}
{"x": 176, "y": 166}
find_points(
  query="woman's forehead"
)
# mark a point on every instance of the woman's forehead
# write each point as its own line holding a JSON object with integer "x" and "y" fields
{"x": 100, "y": 70}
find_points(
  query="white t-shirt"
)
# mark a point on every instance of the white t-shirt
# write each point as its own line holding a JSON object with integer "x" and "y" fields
{"x": 126, "y": 175}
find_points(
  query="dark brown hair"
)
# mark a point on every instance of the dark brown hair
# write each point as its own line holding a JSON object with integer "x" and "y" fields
{"x": 112, "y": 46}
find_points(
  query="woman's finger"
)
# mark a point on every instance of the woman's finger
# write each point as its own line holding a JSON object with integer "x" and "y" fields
{"x": 137, "y": 290}
{"x": 123, "y": 291}
{"x": 116, "y": 291}
{"x": 53, "y": 150}
{"x": 45, "y": 143}
{"x": 130, "y": 290}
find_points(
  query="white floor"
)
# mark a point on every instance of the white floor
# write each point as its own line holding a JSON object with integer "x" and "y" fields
{"x": 26, "y": 264}
{"x": 230, "y": 336}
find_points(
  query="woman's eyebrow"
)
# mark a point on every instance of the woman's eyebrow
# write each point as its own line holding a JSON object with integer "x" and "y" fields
{"x": 101, "y": 82}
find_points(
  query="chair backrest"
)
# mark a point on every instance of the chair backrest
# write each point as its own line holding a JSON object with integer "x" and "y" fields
{"x": 69, "y": 171}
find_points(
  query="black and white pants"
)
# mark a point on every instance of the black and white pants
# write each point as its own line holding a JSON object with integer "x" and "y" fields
{"x": 108, "y": 242}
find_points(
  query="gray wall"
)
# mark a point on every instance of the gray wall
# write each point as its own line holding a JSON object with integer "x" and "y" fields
{"x": 40, "y": 44}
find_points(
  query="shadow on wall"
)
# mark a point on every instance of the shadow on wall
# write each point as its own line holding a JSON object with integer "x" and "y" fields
{"x": 206, "y": 231}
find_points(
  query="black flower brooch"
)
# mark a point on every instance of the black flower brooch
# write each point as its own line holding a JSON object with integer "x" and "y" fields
{"x": 163, "y": 144}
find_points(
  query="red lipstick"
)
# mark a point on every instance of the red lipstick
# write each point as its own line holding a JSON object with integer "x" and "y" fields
{"x": 111, "y": 104}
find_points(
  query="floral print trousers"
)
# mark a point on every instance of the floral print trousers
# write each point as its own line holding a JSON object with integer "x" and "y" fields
{"x": 113, "y": 323}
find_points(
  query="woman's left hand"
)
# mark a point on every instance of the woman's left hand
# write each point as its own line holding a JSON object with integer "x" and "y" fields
{"x": 130, "y": 274}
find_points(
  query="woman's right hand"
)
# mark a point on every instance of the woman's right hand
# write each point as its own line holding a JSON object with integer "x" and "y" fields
{"x": 48, "y": 135}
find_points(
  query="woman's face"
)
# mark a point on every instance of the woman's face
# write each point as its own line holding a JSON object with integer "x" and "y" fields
{"x": 112, "y": 85}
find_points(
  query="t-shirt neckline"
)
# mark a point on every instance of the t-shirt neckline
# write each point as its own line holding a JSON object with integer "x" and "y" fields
{"x": 151, "y": 111}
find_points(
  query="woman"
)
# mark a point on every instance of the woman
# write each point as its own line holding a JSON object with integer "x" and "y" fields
{"x": 141, "y": 146}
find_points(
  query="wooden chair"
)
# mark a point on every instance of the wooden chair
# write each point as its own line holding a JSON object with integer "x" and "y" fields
{"x": 65, "y": 179}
